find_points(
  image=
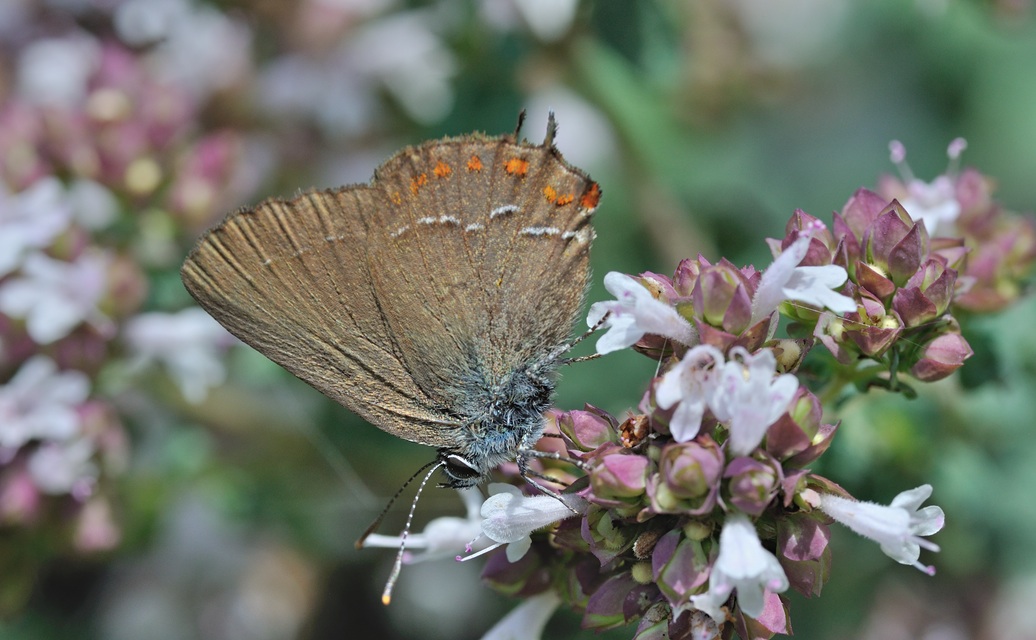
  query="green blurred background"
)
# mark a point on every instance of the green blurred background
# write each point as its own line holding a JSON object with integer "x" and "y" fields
{"x": 707, "y": 123}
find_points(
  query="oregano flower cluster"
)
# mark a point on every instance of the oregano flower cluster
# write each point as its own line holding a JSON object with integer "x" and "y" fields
{"x": 692, "y": 516}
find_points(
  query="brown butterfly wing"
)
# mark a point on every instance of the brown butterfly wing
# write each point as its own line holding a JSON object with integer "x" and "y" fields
{"x": 464, "y": 257}
{"x": 290, "y": 278}
{"x": 481, "y": 259}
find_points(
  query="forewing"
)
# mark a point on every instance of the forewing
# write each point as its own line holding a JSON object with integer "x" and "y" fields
{"x": 291, "y": 279}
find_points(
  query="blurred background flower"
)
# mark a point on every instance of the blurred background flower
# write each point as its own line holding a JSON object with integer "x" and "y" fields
{"x": 159, "y": 480}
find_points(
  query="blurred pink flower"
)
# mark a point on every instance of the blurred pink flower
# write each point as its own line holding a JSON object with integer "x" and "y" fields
{"x": 20, "y": 498}
{"x": 96, "y": 529}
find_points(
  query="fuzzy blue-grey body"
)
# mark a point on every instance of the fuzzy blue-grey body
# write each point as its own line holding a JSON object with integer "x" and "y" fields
{"x": 500, "y": 421}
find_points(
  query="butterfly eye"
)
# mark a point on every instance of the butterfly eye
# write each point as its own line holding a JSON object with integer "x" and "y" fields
{"x": 458, "y": 468}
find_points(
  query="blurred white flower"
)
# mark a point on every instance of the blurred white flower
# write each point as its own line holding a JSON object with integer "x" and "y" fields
{"x": 55, "y": 71}
{"x": 584, "y": 134}
{"x": 527, "y": 620}
{"x": 64, "y": 467}
{"x": 401, "y": 54}
{"x": 93, "y": 204}
{"x": 40, "y": 402}
{"x": 195, "y": 46}
{"x": 791, "y": 34}
{"x": 442, "y": 537}
{"x": 54, "y": 297}
{"x": 548, "y": 20}
{"x": 188, "y": 343}
{"x": 31, "y": 220}
{"x": 410, "y": 60}
{"x": 328, "y": 91}
{"x": 146, "y": 22}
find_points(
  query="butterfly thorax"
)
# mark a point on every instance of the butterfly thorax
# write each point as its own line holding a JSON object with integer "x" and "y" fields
{"x": 502, "y": 419}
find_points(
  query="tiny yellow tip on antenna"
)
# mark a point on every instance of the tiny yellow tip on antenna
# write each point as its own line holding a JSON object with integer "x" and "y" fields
{"x": 386, "y": 598}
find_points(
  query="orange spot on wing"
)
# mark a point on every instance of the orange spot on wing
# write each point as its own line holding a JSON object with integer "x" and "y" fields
{"x": 517, "y": 167}
{"x": 442, "y": 169}
{"x": 396, "y": 198}
{"x": 474, "y": 164}
{"x": 418, "y": 182}
{"x": 550, "y": 193}
{"x": 565, "y": 199}
{"x": 591, "y": 197}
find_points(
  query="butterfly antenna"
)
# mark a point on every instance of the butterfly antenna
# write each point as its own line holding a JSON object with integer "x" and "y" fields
{"x": 386, "y": 595}
{"x": 377, "y": 521}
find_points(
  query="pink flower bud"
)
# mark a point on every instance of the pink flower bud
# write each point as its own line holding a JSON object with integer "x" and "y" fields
{"x": 752, "y": 484}
{"x": 941, "y": 357}
{"x": 587, "y": 429}
{"x": 619, "y": 476}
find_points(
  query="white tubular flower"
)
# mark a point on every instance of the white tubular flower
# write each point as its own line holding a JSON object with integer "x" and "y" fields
{"x": 509, "y": 517}
{"x": 442, "y": 537}
{"x": 634, "y": 314}
{"x": 689, "y": 386}
{"x": 785, "y": 280}
{"x": 527, "y": 620}
{"x": 749, "y": 397}
{"x": 898, "y": 528}
{"x": 742, "y": 564}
